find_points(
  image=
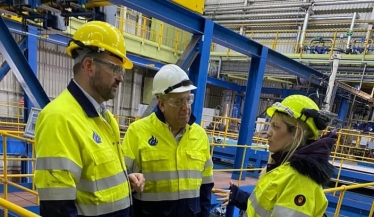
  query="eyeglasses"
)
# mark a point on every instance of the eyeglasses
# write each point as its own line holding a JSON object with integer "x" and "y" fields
{"x": 110, "y": 67}
{"x": 178, "y": 102}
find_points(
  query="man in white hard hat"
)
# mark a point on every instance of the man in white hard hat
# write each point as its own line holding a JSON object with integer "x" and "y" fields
{"x": 171, "y": 151}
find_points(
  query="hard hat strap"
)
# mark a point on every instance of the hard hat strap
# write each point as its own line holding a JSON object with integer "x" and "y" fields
{"x": 180, "y": 84}
{"x": 75, "y": 54}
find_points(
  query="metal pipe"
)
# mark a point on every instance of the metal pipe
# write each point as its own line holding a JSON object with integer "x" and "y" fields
{"x": 263, "y": 10}
{"x": 219, "y": 68}
{"x": 305, "y": 26}
{"x": 239, "y": 16}
{"x": 351, "y": 30}
{"x": 341, "y": 68}
{"x": 279, "y": 20}
{"x": 298, "y": 36}
{"x": 330, "y": 87}
{"x": 251, "y": 7}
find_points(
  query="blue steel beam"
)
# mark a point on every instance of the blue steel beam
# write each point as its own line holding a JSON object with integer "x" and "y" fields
{"x": 19, "y": 28}
{"x": 4, "y": 69}
{"x": 20, "y": 67}
{"x": 225, "y": 84}
{"x": 251, "y": 102}
{"x": 198, "y": 69}
{"x": 179, "y": 17}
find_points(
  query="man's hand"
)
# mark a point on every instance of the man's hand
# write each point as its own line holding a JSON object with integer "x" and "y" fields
{"x": 137, "y": 181}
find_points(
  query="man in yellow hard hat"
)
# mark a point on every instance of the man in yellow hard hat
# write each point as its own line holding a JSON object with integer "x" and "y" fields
{"x": 80, "y": 167}
{"x": 172, "y": 151}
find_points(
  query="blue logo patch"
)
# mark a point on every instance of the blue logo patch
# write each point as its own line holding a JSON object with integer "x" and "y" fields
{"x": 96, "y": 137}
{"x": 152, "y": 141}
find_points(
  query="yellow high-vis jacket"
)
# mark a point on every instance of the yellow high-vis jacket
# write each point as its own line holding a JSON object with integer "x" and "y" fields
{"x": 79, "y": 158}
{"x": 178, "y": 176}
{"x": 285, "y": 192}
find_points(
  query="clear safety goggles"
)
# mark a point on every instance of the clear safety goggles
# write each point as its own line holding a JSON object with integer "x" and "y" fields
{"x": 178, "y": 102}
{"x": 110, "y": 67}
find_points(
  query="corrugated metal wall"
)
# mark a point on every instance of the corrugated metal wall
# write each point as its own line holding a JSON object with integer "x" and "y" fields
{"x": 55, "y": 72}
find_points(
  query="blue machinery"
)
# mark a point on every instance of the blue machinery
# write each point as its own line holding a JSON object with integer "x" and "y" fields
{"x": 197, "y": 57}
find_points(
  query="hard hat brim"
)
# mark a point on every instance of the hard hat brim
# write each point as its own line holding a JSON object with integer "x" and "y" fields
{"x": 184, "y": 89}
{"x": 271, "y": 110}
{"x": 127, "y": 63}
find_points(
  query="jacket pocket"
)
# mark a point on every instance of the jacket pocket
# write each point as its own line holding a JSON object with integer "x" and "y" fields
{"x": 196, "y": 160}
{"x": 153, "y": 161}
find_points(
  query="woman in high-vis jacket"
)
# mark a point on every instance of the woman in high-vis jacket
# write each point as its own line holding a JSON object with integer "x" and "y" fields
{"x": 291, "y": 184}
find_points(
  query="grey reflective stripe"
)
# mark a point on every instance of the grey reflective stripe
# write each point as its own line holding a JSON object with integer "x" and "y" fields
{"x": 167, "y": 195}
{"x": 281, "y": 211}
{"x": 259, "y": 210}
{"x": 57, "y": 193}
{"x": 208, "y": 179}
{"x": 181, "y": 174}
{"x": 58, "y": 163}
{"x": 100, "y": 209}
{"x": 208, "y": 163}
{"x": 101, "y": 184}
{"x": 130, "y": 164}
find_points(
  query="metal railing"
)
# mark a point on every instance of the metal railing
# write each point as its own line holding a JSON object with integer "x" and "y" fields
{"x": 5, "y": 176}
{"x": 227, "y": 130}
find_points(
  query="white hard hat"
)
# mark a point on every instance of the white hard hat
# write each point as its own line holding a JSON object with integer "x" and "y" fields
{"x": 171, "y": 79}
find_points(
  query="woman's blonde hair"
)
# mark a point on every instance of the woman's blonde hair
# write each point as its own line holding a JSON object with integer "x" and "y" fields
{"x": 301, "y": 133}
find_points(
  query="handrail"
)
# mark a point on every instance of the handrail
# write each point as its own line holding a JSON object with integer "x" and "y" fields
{"x": 16, "y": 209}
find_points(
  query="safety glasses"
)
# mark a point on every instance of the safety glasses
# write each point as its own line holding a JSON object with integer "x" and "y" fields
{"x": 110, "y": 67}
{"x": 178, "y": 102}
{"x": 283, "y": 108}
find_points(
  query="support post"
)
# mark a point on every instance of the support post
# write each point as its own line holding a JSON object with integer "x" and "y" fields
{"x": 330, "y": 88}
{"x": 237, "y": 106}
{"x": 32, "y": 58}
{"x": 251, "y": 102}
{"x": 343, "y": 109}
{"x": 199, "y": 70}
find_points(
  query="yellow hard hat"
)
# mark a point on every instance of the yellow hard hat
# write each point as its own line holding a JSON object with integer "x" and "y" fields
{"x": 303, "y": 108}
{"x": 101, "y": 35}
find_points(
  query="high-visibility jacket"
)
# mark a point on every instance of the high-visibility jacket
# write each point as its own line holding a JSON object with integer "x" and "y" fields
{"x": 79, "y": 156}
{"x": 284, "y": 192}
{"x": 178, "y": 176}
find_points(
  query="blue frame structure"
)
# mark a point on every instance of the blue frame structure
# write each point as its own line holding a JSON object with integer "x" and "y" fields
{"x": 179, "y": 17}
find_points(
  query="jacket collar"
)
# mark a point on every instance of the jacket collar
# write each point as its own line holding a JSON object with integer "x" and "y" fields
{"x": 161, "y": 117}
{"x": 83, "y": 101}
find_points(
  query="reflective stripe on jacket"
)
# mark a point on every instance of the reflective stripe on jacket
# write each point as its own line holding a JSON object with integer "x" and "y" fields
{"x": 172, "y": 171}
{"x": 284, "y": 192}
{"x": 79, "y": 156}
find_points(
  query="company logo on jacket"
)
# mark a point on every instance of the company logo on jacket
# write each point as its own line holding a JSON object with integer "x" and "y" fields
{"x": 152, "y": 141}
{"x": 96, "y": 137}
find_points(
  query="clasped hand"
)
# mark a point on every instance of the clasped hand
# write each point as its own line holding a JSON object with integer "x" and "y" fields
{"x": 137, "y": 181}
